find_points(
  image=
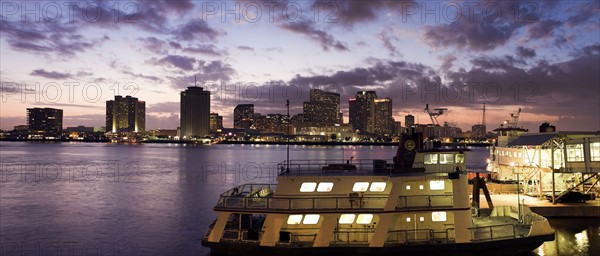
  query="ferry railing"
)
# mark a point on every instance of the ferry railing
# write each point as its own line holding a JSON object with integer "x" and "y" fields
{"x": 317, "y": 166}
{"x": 493, "y": 232}
{"x": 425, "y": 201}
{"x": 309, "y": 204}
{"x": 420, "y": 236}
{"x": 352, "y": 237}
{"x": 237, "y": 194}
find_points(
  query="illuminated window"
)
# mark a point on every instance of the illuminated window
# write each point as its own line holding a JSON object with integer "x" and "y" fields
{"x": 575, "y": 153}
{"x": 377, "y": 186}
{"x": 460, "y": 158}
{"x": 407, "y": 219}
{"x": 446, "y": 158}
{"x": 421, "y": 187}
{"x": 294, "y": 219}
{"x": 311, "y": 219}
{"x": 308, "y": 187}
{"x": 438, "y": 216}
{"x": 436, "y": 185}
{"x": 421, "y": 219}
{"x": 360, "y": 186}
{"x": 325, "y": 187}
{"x": 431, "y": 158}
{"x": 364, "y": 219}
{"x": 347, "y": 218}
{"x": 407, "y": 187}
{"x": 595, "y": 151}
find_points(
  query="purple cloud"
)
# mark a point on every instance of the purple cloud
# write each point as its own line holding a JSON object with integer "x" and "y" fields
{"x": 182, "y": 62}
{"x": 307, "y": 29}
{"x": 50, "y": 74}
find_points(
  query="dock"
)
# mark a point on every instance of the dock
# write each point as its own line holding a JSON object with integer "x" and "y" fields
{"x": 589, "y": 209}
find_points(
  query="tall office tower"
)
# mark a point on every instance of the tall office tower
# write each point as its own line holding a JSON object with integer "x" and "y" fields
{"x": 243, "y": 116}
{"x": 383, "y": 117}
{"x": 323, "y": 107}
{"x": 362, "y": 111}
{"x": 195, "y": 113}
{"x": 478, "y": 131}
{"x": 216, "y": 122}
{"x": 409, "y": 121}
{"x": 45, "y": 119}
{"x": 126, "y": 114}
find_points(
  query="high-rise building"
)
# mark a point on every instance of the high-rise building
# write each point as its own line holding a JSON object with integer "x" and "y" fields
{"x": 45, "y": 119}
{"x": 383, "y": 120}
{"x": 409, "y": 121}
{"x": 243, "y": 116}
{"x": 125, "y": 114}
{"x": 323, "y": 107}
{"x": 478, "y": 131}
{"x": 216, "y": 122}
{"x": 362, "y": 111}
{"x": 195, "y": 113}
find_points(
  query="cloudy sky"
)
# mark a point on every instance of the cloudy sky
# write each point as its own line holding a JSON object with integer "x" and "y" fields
{"x": 543, "y": 57}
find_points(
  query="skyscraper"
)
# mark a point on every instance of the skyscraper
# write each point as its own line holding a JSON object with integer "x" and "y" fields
{"x": 383, "y": 120}
{"x": 362, "y": 111}
{"x": 323, "y": 107}
{"x": 216, "y": 122}
{"x": 243, "y": 116}
{"x": 195, "y": 113}
{"x": 45, "y": 119}
{"x": 125, "y": 115}
{"x": 409, "y": 121}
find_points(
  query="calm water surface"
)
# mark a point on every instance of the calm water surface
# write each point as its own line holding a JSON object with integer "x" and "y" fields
{"x": 156, "y": 199}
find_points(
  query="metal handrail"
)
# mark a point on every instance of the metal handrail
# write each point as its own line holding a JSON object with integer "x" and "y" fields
{"x": 424, "y": 201}
{"x": 308, "y": 203}
{"x": 488, "y": 231}
{"x": 364, "y": 236}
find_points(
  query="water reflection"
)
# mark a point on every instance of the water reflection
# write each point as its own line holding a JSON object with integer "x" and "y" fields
{"x": 573, "y": 237}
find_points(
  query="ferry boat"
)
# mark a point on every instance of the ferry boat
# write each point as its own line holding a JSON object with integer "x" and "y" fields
{"x": 417, "y": 202}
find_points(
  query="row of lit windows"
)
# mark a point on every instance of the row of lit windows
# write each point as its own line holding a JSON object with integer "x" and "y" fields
{"x": 433, "y": 185}
{"x": 351, "y": 218}
{"x": 508, "y": 153}
{"x": 360, "y": 186}
{"x": 446, "y": 158}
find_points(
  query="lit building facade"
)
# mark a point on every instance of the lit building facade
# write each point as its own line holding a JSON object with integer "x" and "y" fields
{"x": 323, "y": 107}
{"x": 362, "y": 111}
{"x": 383, "y": 120}
{"x": 45, "y": 119}
{"x": 409, "y": 121}
{"x": 125, "y": 114}
{"x": 478, "y": 131}
{"x": 195, "y": 113}
{"x": 216, "y": 122}
{"x": 243, "y": 116}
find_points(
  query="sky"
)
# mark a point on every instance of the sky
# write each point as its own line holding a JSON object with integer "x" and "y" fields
{"x": 540, "y": 56}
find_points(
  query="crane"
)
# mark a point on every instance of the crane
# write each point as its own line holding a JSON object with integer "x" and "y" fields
{"x": 434, "y": 115}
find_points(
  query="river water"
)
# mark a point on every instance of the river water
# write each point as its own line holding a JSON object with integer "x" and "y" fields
{"x": 157, "y": 199}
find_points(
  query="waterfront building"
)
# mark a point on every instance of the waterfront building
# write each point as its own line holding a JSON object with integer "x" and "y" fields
{"x": 478, "y": 131}
{"x": 323, "y": 107}
{"x": 125, "y": 114}
{"x": 216, "y": 122}
{"x": 195, "y": 113}
{"x": 243, "y": 116}
{"x": 45, "y": 119}
{"x": 362, "y": 111}
{"x": 409, "y": 121}
{"x": 383, "y": 120}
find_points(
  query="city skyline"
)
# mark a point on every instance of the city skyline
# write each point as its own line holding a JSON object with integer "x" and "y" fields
{"x": 543, "y": 59}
